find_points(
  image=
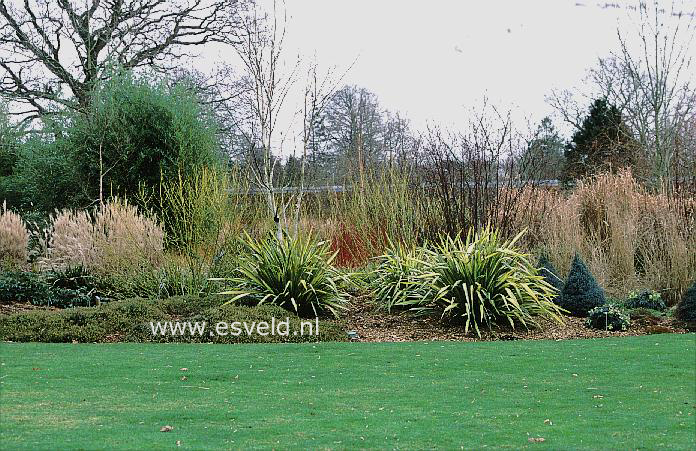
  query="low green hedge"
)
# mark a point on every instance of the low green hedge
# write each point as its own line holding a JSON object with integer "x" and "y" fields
{"x": 129, "y": 320}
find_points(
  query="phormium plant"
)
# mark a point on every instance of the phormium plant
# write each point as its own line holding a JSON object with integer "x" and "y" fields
{"x": 294, "y": 273}
{"x": 486, "y": 281}
{"x": 400, "y": 281}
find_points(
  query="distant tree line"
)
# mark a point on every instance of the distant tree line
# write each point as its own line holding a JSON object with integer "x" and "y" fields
{"x": 118, "y": 116}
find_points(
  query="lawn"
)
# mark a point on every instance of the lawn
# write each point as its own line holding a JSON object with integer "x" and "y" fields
{"x": 635, "y": 392}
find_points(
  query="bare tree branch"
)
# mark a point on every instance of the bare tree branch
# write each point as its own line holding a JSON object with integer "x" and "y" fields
{"x": 53, "y": 51}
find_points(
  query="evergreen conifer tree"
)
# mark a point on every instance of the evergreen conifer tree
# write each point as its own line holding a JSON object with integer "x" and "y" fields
{"x": 580, "y": 293}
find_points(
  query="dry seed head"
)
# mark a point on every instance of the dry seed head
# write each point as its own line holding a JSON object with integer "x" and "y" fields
{"x": 14, "y": 237}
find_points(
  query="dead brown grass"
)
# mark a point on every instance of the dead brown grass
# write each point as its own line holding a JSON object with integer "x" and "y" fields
{"x": 630, "y": 238}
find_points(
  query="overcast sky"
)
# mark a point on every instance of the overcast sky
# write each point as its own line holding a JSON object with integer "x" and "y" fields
{"x": 432, "y": 60}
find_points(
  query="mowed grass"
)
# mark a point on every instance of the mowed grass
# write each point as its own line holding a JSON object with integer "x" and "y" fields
{"x": 621, "y": 393}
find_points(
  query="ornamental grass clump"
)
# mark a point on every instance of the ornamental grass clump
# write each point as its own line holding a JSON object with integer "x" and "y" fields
{"x": 116, "y": 237}
{"x": 398, "y": 281}
{"x": 485, "y": 281}
{"x": 581, "y": 293}
{"x": 14, "y": 238}
{"x": 125, "y": 238}
{"x": 71, "y": 240}
{"x": 295, "y": 273}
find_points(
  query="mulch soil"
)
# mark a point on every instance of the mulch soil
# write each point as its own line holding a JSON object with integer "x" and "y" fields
{"x": 373, "y": 325}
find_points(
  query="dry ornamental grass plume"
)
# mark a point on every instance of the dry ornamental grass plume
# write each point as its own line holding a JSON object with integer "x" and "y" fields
{"x": 71, "y": 241}
{"x": 124, "y": 237}
{"x": 631, "y": 238}
{"x": 118, "y": 237}
{"x": 14, "y": 238}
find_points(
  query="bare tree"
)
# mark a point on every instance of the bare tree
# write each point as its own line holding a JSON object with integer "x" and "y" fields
{"x": 354, "y": 125}
{"x": 317, "y": 94}
{"x": 659, "y": 86}
{"x": 650, "y": 83}
{"x": 53, "y": 51}
{"x": 475, "y": 175}
{"x": 267, "y": 87}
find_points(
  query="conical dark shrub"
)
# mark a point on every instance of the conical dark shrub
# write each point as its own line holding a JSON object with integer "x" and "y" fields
{"x": 550, "y": 274}
{"x": 581, "y": 293}
{"x": 686, "y": 309}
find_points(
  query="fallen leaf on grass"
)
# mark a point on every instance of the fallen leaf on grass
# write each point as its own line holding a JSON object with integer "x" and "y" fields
{"x": 166, "y": 428}
{"x": 36, "y": 369}
{"x": 536, "y": 439}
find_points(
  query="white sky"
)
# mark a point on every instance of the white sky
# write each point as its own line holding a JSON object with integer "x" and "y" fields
{"x": 433, "y": 60}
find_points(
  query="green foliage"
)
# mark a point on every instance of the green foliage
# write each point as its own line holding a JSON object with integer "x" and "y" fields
{"x": 56, "y": 289}
{"x": 139, "y": 130}
{"x": 20, "y": 286}
{"x": 548, "y": 271}
{"x": 228, "y": 313}
{"x": 186, "y": 306}
{"x": 485, "y": 281}
{"x": 607, "y": 317}
{"x": 129, "y": 320}
{"x": 603, "y": 142}
{"x": 134, "y": 132}
{"x": 581, "y": 293}
{"x": 123, "y": 319}
{"x": 72, "y": 287}
{"x": 293, "y": 273}
{"x": 646, "y": 299}
{"x": 45, "y": 176}
{"x": 399, "y": 280}
{"x": 9, "y": 148}
{"x": 151, "y": 282}
{"x": 686, "y": 309}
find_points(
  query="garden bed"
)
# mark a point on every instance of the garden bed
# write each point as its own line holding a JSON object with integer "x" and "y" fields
{"x": 124, "y": 321}
{"x": 379, "y": 326}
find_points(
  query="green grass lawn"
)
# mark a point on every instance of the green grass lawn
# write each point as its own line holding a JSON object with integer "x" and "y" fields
{"x": 622, "y": 393}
